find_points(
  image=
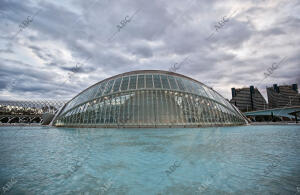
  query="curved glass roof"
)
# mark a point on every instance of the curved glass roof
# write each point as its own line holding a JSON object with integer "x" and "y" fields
{"x": 145, "y": 80}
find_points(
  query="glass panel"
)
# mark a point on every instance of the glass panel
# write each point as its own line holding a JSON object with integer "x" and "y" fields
{"x": 124, "y": 85}
{"x": 123, "y": 109}
{"x": 208, "y": 92}
{"x": 141, "y": 81}
{"x": 199, "y": 110}
{"x": 162, "y": 109}
{"x": 142, "y": 111}
{"x": 117, "y": 84}
{"x": 172, "y": 82}
{"x": 152, "y": 106}
{"x": 130, "y": 113}
{"x": 121, "y": 114}
{"x": 185, "y": 108}
{"x": 94, "y": 90}
{"x": 156, "y": 106}
{"x": 165, "y": 82}
{"x": 104, "y": 113}
{"x": 201, "y": 91}
{"x": 205, "y": 114}
{"x": 118, "y": 109}
{"x": 109, "y": 87}
{"x": 217, "y": 98}
{"x": 101, "y": 89}
{"x": 149, "y": 82}
{"x": 209, "y": 104}
{"x": 99, "y": 112}
{"x": 213, "y": 111}
{"x": 135, "y": 107}
{"x": 108, "y": 111}
{"x": 192, "y": 108}
{"x": 223, "y": 113}
{"x": 157, "y": 83}
{"x": 194, "y": 87}
{"x": 188, "y": 109}
{"x": 111, "y": 117}
{"x": 180, "y": 84}
{"x": 171, "y": 110}
{"x": 84, "y": 96}
{"x": 187, "y": 85}
{"x": 178, "y": 107}
{"x": 219, "y": 113}
{"x": 149, "y": 107}
{"x": 85, "y": 107}
{"x": 132, "y": 84}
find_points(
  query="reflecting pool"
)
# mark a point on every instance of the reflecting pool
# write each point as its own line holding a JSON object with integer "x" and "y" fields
{"x": 223, "y": 160}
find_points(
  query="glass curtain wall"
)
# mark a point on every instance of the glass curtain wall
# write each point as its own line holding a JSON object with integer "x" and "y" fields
{"x": 148, "y": 100}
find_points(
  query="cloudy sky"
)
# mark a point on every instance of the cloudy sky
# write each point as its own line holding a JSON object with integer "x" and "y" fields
{"x": 52, "y": 49}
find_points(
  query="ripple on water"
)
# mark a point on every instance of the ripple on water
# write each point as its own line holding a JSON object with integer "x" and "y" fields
{"x": 229, "y": 160}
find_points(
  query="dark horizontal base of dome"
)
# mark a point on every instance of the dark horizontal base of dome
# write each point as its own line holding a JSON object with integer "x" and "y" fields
{"x": 148, "y": 126}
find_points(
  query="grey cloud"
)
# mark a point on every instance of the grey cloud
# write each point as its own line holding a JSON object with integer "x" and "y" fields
{"x": 161, "y": 34}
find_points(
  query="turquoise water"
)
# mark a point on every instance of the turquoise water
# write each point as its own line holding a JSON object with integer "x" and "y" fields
{"x": 227, "y": 160}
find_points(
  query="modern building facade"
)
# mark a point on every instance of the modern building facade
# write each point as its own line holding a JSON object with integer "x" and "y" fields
{"x": 248, "y": 99}
{"x": 148, "y": 98}
{"x": 283, "y": 96}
